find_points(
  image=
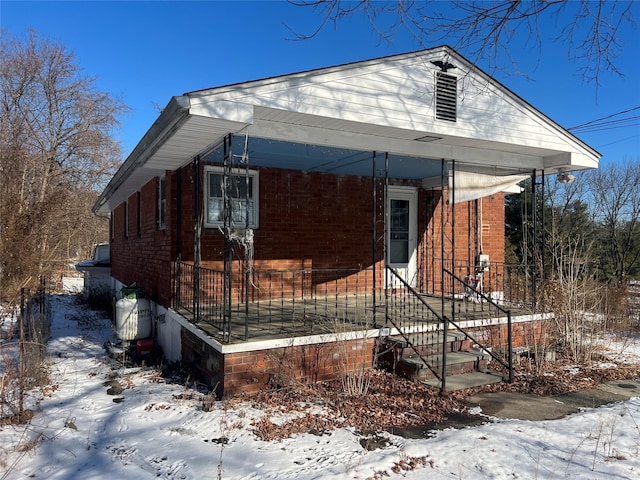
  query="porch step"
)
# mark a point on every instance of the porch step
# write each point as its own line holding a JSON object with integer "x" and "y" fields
{"x": 466, "y": 380}
{"x": 412, "y": 366}
{"x": 466, "y": 366}
{"x": 394, "y": 349}
{"x": 425, "y": 339}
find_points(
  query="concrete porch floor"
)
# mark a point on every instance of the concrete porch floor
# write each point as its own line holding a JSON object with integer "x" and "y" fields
{"x": 289, "y": 318}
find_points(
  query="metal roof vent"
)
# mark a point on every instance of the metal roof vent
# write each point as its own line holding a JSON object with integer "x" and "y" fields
{"x": 446, "y": 96}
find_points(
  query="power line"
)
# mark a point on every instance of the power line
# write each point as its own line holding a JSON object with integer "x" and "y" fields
{"x": 617, "y": 141}
{"x": 610, "y": 125}
{"x": 592, "y": 122}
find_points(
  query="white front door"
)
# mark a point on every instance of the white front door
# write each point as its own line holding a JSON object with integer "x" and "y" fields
{"x": 402, "y": 220}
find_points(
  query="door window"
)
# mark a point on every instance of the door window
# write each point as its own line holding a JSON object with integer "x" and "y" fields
{"x": 399, "y": 232}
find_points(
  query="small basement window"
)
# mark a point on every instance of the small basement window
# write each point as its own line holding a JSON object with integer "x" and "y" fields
{"x": 242, "y": 188}
{"x": 446, "y": 96}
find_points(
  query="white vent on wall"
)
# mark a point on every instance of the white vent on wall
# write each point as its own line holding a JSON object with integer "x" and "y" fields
{"x": 446, "y": 96}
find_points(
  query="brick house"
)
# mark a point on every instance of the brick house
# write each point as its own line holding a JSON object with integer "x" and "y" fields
{"x": 302, "y": 224}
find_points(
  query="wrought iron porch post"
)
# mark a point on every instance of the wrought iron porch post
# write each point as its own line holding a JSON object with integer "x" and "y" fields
{"x": 247, "y": 258}
{"x": 385, "y": 241}
{"x": 178, "y": 212}
{"x": 445, "y": 324}
{"x": 510, "y": 348}
{"x": 227, "y": 251}
{"x": 177, "y": 274}
{"x": 197, "y": 230}
{"x": 533, "y": 246}
{"x": 538, "y": 240}
{"x": 374, "y": 248}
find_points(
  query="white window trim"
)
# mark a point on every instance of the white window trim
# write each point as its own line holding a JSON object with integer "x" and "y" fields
{"x": 254, "y": 174}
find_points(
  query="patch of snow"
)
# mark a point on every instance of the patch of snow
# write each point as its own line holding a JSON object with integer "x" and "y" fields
{"x": 572, "y": 369}
{"x": 477, "y": 410}
{"x": 621, "y": 349}
{"x": 157, "y": 429}
{"x": 72, "y": 285}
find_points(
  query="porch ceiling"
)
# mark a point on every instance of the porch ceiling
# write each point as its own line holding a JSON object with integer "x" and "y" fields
{"x": 286, "y": 139}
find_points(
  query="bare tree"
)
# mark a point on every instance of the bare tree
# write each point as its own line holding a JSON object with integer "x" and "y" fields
{"x": 485, "y": 29}
{"x": 615, "y": 193}
{"x": 57, "y": 146}
{"x": 592, "y": 234}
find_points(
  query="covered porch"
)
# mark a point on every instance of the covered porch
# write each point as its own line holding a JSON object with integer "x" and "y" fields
{"x": 421, "y": 270}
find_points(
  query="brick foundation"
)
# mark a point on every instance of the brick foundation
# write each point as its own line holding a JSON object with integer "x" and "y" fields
{"x": 247, "y": 372}
{"x": 239, "y": 373}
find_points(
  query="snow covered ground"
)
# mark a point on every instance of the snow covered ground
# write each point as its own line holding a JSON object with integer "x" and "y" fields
{"x": 86, "y": 428}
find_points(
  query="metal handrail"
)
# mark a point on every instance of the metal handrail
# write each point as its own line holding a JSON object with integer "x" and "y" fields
{"x": 446, "y": 320}
{"x": 509, "y": 363}
{"x": 400, "y": 330}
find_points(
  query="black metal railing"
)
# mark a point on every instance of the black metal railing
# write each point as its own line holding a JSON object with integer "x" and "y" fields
{"x": 418, "y": 322}
{"x": 301, "y": 301}
{"x": 421, "y": 323}
{"x": 511, "y": 285}
{"x": 275, "y": 300}
{"x": 499, "y": 345}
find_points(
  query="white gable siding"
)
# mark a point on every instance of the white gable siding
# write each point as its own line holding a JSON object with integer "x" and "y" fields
{"x": 400, "y": 94}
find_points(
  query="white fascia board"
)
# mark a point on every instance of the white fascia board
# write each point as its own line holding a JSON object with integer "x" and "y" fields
{"x": 570, "y": 161}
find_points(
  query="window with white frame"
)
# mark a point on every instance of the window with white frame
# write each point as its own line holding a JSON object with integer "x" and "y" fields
{"x": 162, "y": 203}
{"x": 242, "y": 191}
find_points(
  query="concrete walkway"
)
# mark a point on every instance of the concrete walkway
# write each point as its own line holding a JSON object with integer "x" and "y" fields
{"x": 524, "y": 406}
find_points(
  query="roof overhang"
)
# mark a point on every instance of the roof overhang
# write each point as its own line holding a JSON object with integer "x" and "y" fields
{"x": 186, "y": 129}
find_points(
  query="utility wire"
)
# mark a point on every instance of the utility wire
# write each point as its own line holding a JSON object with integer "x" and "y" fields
{"x": 611, "y": 125}
{"x": 594, "y": 123}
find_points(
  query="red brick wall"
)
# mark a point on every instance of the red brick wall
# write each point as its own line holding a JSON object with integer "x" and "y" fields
{"x": 306, "y": 220}
{"x": 462, "y": 238}
{"x": 145, "y": 255}
{"x": 247, "y": 372}
{"x": 523, "y": 334}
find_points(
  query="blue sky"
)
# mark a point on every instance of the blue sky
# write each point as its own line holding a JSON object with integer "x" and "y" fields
{"x": 146, "y": 52}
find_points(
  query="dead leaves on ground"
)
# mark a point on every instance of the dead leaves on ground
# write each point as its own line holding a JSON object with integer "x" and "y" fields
{"x": 390, "y": 402}
{"x": 394, "y": 402}
{"x": 563, "y": 376}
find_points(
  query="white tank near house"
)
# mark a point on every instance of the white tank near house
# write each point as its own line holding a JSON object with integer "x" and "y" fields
{"x": 133, "y": 318}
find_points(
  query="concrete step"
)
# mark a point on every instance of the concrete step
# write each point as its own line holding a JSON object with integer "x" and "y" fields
{"x": 453, "y": 358}
{"x": 414, "y": 367}
{"x": 466, "y": 380}
{"x": 427, "y": 338}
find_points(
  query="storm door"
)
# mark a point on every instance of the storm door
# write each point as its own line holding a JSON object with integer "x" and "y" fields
{"x": 401, "y": 234}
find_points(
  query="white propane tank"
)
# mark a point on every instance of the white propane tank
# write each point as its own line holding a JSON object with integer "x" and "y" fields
{"x": 133, "y": 318}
